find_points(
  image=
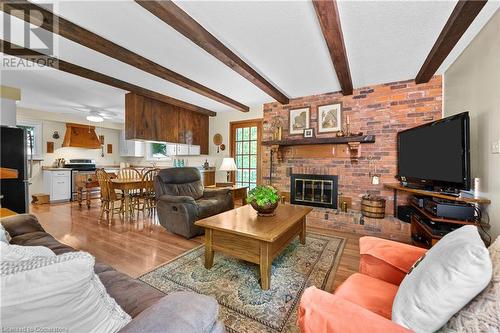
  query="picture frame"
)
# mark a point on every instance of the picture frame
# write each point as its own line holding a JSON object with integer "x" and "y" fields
{"x": 330, "y": 118}
{"x": 309, "y": 133}
{"x": 299, "y": 120}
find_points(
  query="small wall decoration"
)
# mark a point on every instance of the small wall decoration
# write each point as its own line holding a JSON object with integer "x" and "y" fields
{"x": 55, "y": 135}
{"x": 309, "y": 133}
{"x": 50, "y": 147}
{"x": 110, "y": 148}
{"x": 299, "y": 120}
{"x": 329, "y": 118}
{"x": 218, "y": 141}
{"x": 101, "y": 139}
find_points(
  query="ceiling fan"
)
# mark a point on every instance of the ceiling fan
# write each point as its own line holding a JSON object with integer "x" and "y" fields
{"x": 95, "y": 114}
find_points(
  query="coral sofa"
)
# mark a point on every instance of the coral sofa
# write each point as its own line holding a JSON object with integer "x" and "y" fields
{"x": 363, "y": 303}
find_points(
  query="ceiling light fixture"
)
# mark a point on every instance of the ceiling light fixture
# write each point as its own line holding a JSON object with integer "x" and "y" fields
{"x": 95, "y": 118}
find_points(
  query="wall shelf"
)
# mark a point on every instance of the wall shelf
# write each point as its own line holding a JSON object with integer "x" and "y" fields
{"x": 319, "y": 141}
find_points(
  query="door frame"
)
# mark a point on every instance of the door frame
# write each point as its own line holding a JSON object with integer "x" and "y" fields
{"x": 233, "y": 125}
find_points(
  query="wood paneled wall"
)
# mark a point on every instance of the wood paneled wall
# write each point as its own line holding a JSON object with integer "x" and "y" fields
{"x": 150, "y": 119}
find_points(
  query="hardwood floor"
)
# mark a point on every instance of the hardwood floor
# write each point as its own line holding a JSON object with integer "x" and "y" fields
{"x": 136, "y": 248}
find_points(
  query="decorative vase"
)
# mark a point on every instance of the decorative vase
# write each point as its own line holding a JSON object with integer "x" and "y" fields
{"x": 266, "y": 210}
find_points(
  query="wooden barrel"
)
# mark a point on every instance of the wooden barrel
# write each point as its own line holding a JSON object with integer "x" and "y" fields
{"x": 372, "y": 206}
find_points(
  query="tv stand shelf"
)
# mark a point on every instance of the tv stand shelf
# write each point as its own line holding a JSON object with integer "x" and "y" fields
{"x": 397, "y": 187}
{"x": 421, "y": 233}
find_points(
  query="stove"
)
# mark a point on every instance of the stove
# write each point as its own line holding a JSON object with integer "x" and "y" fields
{"x": 81, "y": 165}
{"x": 78, "y": 167}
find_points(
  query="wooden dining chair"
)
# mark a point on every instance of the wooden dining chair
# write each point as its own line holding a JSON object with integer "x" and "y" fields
{"x": 108, "y": 196}
{"x": 130, "y": 173}
{"x": 146, "y": 201}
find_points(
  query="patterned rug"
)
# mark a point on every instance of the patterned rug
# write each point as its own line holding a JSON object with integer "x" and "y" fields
{"x": 244, "y": 307}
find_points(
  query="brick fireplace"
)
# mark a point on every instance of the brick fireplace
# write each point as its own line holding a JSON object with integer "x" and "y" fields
{"x": 380, "y": 110}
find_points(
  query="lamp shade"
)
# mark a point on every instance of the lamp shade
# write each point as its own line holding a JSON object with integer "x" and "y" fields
{"x": 228, "y": 164}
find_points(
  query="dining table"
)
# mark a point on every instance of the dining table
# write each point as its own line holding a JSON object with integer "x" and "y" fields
{"x": 126, "y": 185}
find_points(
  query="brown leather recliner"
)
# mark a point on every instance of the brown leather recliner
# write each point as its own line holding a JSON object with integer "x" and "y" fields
{"x": 182, "y": 200}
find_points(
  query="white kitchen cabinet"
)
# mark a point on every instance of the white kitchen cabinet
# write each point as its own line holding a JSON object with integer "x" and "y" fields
{"x": 57, "y": 183}
{"x": 182, "y": 150}
{"x": 130, "y": 148}
{"x": 194, "y": 150}
{"x": 171, "y": 149}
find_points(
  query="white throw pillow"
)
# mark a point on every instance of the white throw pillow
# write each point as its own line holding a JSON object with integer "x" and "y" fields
{"x": 11, "y": 252}
{"x": 4, "y": 235}
{"x": 452, "y": 273}
{"x": 57, "y": 293}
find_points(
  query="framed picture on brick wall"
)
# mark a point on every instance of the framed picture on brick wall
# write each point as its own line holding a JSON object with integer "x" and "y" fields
{"x": 329, "y": 118}
{"x": 299, "y": 120}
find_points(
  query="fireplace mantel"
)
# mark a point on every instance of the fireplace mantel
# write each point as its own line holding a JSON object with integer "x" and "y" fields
{"x": 320, "y": 141}
{"x": 352, "y": 143}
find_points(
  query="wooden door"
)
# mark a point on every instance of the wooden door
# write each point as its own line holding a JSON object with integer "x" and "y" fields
{"x": 245, "y": 138}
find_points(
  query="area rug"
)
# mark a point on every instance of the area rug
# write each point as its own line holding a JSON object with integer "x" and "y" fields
{"x": 244, "y": 307}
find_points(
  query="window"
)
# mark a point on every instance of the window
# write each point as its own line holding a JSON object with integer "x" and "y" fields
{"x": 157, "y": 151}
{"x": 34, "y": 130}
{"x": 245, "y": 148}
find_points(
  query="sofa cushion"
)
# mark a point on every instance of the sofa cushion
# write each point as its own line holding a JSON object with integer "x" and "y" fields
{"x": 210, "y": 207}
{"x": 370, "y": 293}
{"x": 482, "y": 314}
{"x": 133, "y": 295}
{"x": 387, "y": 260}
{"x": 41, "y": 238}
{"x": 450, "y": 275}
{"x": 57, "y": 292}
{"x": 21, "y": 224}
{"x": 179, "y": 312}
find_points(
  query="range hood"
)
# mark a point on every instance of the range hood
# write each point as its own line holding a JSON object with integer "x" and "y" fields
{"x": 81, "y": 136}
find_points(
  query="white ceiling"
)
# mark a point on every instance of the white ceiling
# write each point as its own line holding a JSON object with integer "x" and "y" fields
{"x": 385, "y": 41}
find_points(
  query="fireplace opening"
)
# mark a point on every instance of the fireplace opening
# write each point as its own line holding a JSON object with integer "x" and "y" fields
{"x": 314, "y": 190}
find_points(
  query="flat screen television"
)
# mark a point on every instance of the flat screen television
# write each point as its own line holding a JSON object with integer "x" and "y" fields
{"x": 436, "y": 155}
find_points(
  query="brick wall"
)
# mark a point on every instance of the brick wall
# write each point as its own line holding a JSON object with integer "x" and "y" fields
{"x": 381, "y": 110}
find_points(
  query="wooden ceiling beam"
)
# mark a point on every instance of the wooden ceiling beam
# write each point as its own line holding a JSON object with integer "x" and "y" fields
{"x": 174, "y": 16}
{"x": 460, "y": 19}
{"x": 45, "y": 60}
{"x": 97, "y": 43}
{"x": 329, "y": 20}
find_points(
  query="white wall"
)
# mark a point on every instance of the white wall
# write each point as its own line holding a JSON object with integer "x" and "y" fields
{"x": 220, "y": 124}
{"x": 472, "y": 83}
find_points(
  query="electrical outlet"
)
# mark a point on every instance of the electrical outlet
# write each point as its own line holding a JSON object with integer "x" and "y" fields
{"x": 495, "y": 147}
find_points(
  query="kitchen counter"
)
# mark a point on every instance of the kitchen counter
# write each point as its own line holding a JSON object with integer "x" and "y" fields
{"x": 49, "y": 168}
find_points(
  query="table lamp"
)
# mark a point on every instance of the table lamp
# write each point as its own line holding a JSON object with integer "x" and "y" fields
{"x": 228, "y": 165}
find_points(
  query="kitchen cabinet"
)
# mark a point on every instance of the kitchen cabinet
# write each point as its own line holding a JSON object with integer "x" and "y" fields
{"x": 171, "y": 149}
{"x": 57, "y": 183}
{"x": 152, "y": 120}
{"x": 194, "y": 150}
{"x": 182, "y": 150}
{"x": 130, "y": 148}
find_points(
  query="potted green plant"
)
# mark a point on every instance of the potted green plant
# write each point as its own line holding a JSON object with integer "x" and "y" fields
{"x": 264, "y": 199}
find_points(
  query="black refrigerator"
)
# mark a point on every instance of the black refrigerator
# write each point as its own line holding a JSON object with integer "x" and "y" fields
{"x": 13, "y": 151}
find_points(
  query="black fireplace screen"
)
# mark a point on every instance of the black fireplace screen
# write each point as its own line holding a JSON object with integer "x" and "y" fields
{"x": 314, "y": 190}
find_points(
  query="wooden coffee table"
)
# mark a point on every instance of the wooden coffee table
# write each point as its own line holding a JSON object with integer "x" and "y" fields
{"x": 243, "y": 234}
